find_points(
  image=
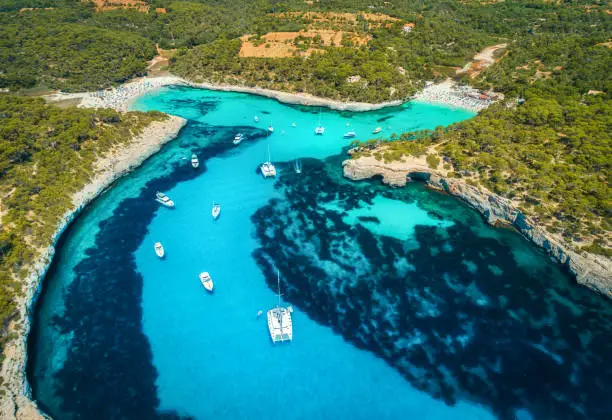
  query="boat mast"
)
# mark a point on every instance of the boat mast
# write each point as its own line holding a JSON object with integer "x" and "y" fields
{"x": 269, "y": 160}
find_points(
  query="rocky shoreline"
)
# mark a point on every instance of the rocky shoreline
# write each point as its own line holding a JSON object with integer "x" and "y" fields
{"x": 15, "y": 400}
{"x": 593, "y": 271}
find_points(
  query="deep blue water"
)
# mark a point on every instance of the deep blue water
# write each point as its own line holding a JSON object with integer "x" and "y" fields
{"x": 407, "y": 305}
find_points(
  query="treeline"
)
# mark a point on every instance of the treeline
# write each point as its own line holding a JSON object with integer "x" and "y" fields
{"x": 46, "y": 155}
{"x": 320, "y": 74}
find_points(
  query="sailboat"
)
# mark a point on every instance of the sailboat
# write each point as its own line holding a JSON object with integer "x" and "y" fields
{"x": 216, "y": 209}
{"x": 319, "y": 130}
{"x": 267, "y": 168}
{"x": 350, "y": 135}
{"x": 298, "y": 167}
{"x": 194, "y": 161}
{"x": 279, "y": 320}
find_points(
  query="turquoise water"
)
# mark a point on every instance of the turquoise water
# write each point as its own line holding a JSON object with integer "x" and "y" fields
{"x": 391, "y": 288}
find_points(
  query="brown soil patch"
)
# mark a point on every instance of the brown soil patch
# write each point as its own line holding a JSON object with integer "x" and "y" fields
{"x": 158, "y": 66}
{"x": 29, "y": 9}
{"x": 104, "y": 5}
{"x": 286, "y": 44}
{"x": 483, "y": 60}
{"x": 374, "y": 19}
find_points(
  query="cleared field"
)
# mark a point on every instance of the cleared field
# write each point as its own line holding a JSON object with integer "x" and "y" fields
{"x": 290, "y": 44}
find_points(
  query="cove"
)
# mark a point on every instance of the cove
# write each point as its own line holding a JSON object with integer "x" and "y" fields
{"x": 429, "y": 314}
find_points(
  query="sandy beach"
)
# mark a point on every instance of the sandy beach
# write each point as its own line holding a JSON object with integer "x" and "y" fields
{"x": 15, "y": 401}
{"x": 447, "y": 93}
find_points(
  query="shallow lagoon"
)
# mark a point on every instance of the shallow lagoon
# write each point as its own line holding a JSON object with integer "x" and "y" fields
{"x": 405, "y": 316}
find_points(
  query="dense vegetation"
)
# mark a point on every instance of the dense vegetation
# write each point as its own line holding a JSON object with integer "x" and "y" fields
{"x": 551, "y": 154}
{"x": 46, "y": 155}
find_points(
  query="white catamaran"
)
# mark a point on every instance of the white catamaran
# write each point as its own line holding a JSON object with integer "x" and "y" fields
{"x": 267, "y": 168}
{"x": 279, "y": 320}
{"x": 195, "y": 162}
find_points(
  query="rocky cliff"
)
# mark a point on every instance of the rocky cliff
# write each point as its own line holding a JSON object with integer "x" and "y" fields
{"x": 15, "y": 396}
{"x": 591, "y": 270}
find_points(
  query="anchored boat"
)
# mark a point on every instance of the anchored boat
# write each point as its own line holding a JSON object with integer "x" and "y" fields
{"x": 279, "y": 320}
{"x": 377, "y": 130}
{"x": 238, "y": 138}
{"x": 298, "y": 167}
{"x": 216, "y": 209}
{"x": 194, "y": 161}
{"x": 267, "y": 168}
{"x": 206, "y": 281}
{"x": 164, "y": 200}
{"x": 350, "y": 135}
{"x": 159, "y": 250}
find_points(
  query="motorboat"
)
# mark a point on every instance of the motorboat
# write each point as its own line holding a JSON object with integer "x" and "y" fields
{"x": 194, "y": 161}
{"x": 350, "y": 135}
{"x": 267, "y": 168}
{"x": 377, "y": 130}
{"x": 159, "y": 250}
{"x": 256, "y": 118}
{"x": 280, "y": 324}
{"x": 207, "y": 281}
{"x": 164, "y": 200}
{"x": 293, "y": 124}
{"x": 216, "y": 209}
{"x": 238, "y": 138}
{"x": 270, "y": 128}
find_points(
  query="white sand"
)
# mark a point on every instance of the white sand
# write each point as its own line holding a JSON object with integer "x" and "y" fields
{"x": 120, "y": 98}
{"x": 450, "y": 94}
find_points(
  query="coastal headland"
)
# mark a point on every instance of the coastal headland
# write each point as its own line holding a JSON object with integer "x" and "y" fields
{"x": 16, "y": 402}
{"x": 589, "y": 269}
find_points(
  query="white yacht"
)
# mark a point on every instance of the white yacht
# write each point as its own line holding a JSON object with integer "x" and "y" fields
{"x": 216, "y": 209}
{"x": 350, "y": 135}
{"x": 267, "y": 168}
{"x": 238, "y": 138}
{"x": 270, "y": 128}
{"x": 377, "y": 130}
{"x": 207, "y": 281}
{"x": 279, "y": 321}
{"x": 164, "y": 200}
{"x": 194, "y": 161}
{"x": 293, "y": 124}
{"x": 159, "y": 250}
{"x": 256, "y": 118}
